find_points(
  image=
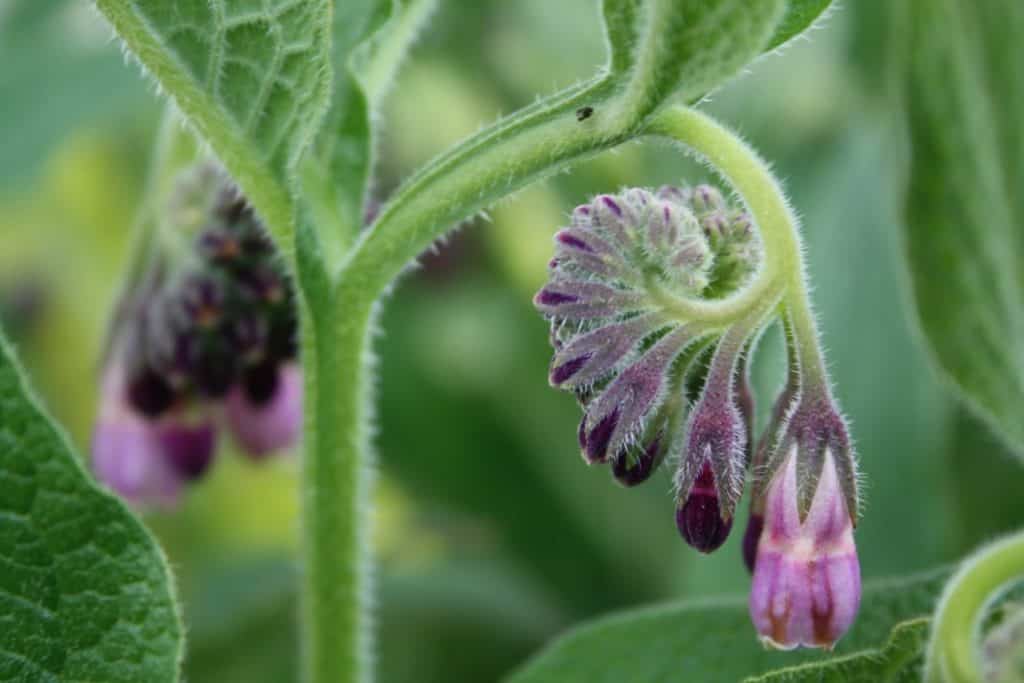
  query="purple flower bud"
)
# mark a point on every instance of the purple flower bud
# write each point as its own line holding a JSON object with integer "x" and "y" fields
{"x": 706, "y": 198}
{"x": 635, "y": 465}
{"x": 806, "y": 588}
{"x": 700, "y": 517}
{"x": 711, "y": 472}
{"x": 598, "y": 353}
{"x": 710, "y": 476}
{"x": 274, "y": 424}
{"x": 616, "y": 417}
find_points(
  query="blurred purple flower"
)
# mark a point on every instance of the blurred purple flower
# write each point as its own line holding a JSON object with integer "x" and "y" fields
{"x": 272, "y": 424}
{"x": 146, "y": 461}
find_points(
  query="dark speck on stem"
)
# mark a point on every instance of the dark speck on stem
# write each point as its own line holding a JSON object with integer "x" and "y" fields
{"x": 584, "y": 113}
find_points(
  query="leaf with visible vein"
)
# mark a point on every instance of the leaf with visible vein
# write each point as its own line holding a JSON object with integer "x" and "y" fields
{"x": 85, "y": 594}
{"x": 899, "y": 661}
{"x": 712, "y": 640}
{"x": 964, "y": 203}
{"x": 252, "y": 76}
{"x": 370, "y": 39}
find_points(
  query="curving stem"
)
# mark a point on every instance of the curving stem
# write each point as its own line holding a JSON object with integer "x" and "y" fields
{"x": 953, "y": 652}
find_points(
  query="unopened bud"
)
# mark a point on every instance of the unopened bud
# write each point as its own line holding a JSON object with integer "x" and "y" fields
{"x": 699, "y": 517}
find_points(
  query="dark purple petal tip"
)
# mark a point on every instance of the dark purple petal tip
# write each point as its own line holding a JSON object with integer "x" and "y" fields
{"x": 612, "y": 205}
{"x": 640, "y": 470}
{"x": 566, "y": 370}
{"x": 549, "y": 297}
{"x": 595, "y": 448}
{"x": 699, "y": 518}
{"x": 571, "y": 240}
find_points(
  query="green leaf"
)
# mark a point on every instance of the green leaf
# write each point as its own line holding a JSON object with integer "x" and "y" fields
{"x": 370, "y": 39}
{"x": 711, "y": 40}
{"x": 711, "y": 640}
{"x": 84, "y": 590}
{"x": 800, "y": 14}
{"x": 964, "y": 205}
{"x": 253, "y": 76}
{"x": 899, "y": 661}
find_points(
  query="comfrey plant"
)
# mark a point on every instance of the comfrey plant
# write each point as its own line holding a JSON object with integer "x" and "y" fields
{"x": 260, "y": 252}
{"x": 644, "y": 285}
{"x": 625, "y": 295}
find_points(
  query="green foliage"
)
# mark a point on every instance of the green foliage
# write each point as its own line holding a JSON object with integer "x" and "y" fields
{"x": 711, "y": 639}
{"x": 370, "y": 39}
{"x": 84, "y": 591}
{"x": 710, "y": 42}
{"x": 800, "y": 15}
{"x": 252, "y": 77}
{"x": 964, "y": 100}
{"x": 898, "y": 661}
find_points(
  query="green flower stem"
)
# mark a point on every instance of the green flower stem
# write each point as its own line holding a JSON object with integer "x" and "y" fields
{"x": 750, "y": 176}
{"x": 804, "y": 339}
{"x": 953, "y": 653}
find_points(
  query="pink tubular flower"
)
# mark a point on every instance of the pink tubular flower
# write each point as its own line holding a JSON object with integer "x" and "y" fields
{"x": 273, "y": 423}
{"x": 806, "y": 587}
{"x": 146, "y": 461}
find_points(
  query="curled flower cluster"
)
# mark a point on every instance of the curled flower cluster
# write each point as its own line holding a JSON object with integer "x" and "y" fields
{"x": 657, "y": 383}
{"x": 206, "y": 335}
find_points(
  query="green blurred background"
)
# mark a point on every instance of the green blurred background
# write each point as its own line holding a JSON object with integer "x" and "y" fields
{"x": 491, "y": 534}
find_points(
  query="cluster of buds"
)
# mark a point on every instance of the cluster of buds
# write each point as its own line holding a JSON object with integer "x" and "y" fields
{"x": 658, "y": 384}
{"x": 205, "y": 335}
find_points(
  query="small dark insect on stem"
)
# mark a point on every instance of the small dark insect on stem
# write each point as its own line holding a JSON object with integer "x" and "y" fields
{"x": 584, "y": 113}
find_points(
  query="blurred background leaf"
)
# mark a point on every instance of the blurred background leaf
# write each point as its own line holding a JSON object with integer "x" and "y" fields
{"x": 964, "y": 206}
{"x": 491, "y": 534}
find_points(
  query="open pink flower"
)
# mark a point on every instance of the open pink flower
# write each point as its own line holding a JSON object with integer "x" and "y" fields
{"x": 806, "y": 587}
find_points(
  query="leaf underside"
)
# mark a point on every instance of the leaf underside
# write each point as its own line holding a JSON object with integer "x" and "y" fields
{"x": 85, "y": 594}
{"x": 964, "y": 202}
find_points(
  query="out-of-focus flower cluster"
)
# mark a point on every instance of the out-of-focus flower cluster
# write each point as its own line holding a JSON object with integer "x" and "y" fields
{"x": 657, "y": 382}
{"x": 204, "y": 337}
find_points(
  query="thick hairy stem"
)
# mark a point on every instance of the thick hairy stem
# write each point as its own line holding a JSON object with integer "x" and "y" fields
{"x": 336, "y": 586}
{"x": 953, "y": 653}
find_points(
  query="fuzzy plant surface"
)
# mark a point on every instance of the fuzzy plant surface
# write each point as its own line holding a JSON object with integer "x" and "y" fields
{"x": 263, "y": 254}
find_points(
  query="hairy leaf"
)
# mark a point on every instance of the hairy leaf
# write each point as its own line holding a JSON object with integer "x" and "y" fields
{"x": 712, "y": 640}
{"x": 370, "y": 39}
{"x": 899, "y": 661}
{"x": 85, "y": 594}
{"x": 710, "y": 41}
{"x": 964, "y": 204}
{"x": 800, "y": 14}
{"x": 252, "y": 76}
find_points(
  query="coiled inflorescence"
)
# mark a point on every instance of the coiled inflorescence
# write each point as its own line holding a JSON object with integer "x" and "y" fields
{"x": 631, "y": 277}
{"x": 618, "y": 344}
